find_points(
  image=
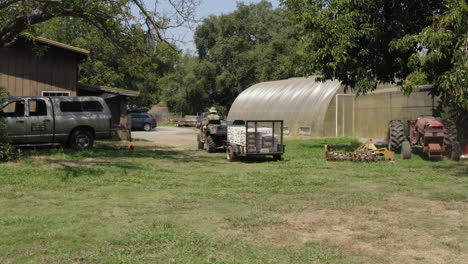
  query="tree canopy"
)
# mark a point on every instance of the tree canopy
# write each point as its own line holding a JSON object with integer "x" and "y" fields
{"x": 406, "y": 42}
{"x": 129, "y": 48}
{"x": 236, "y": 50}
{"x": 112, "y": 17}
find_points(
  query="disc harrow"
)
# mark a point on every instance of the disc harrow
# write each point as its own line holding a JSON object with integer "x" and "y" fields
{"x": 366, "y": 152}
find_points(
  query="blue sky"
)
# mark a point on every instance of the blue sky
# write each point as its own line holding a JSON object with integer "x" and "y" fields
{"x": 206, "y": 8}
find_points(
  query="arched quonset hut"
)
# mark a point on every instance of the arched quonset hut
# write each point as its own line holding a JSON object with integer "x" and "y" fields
{"x": 322, "y": 109}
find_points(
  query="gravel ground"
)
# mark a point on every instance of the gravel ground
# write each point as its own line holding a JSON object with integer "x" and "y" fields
{"x": 180, "y": 137}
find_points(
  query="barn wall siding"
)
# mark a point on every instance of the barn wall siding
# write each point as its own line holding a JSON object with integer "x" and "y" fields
{"x": 23, "y": 73}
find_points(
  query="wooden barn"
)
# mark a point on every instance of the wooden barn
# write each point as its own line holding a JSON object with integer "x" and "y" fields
{"x": 40, "y": 67}
{"x": 34, "y": 66}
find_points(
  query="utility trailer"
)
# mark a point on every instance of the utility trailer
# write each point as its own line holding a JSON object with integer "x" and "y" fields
{"x": 254, "y": 138}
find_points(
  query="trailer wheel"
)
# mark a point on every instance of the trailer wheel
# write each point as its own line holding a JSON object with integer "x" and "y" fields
{"x": 199, "y": 142}
{"x": 210, "y": 144}
{"x": 230, "y": 155}
{"x": 451, "y": 139}
{"x": 396, "y": 135}
{"x": 406, "y": 150}
{"x": 277, "y": 157}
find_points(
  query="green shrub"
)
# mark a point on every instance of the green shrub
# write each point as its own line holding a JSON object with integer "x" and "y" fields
{"x": 7, "y": 151}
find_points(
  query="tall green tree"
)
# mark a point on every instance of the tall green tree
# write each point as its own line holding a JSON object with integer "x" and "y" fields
{"x": 250, "y": 45}
{"x": 444, "y": 61}
{"x": 350, "y": 40}
{"x": 184, "y": 88}
{"x": 236, "y": 50}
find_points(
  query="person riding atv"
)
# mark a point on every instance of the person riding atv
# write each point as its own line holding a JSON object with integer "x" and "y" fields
{"x": 213, "y": 132}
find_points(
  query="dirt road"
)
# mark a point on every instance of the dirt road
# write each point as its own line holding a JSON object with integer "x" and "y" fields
{"x": 179, "y": 137}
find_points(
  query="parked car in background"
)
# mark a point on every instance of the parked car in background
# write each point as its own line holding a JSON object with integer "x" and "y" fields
{"x": 74, "y": 121}
{"x": 143, "y": 121}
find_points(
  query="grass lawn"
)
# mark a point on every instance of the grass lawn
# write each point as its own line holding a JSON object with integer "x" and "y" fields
{"x": 162, "y": 205}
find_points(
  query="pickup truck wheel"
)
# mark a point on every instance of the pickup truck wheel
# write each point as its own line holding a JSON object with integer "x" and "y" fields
{"x": 147, "y": 127}
{"x": 81, "y": 139}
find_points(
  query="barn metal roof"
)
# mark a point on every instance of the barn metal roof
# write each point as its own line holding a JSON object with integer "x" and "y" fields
{"x": 107, "y": 89}
{"x": 300, "y": 102}
{"x": 56, "y": 44}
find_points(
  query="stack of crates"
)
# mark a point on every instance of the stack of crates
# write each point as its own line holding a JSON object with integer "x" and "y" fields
{"x": 251, "y": 142}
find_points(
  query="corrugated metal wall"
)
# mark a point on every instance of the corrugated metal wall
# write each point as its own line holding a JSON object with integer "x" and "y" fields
{"x": 23, "y": 73}
{"x": 319, "y": 109}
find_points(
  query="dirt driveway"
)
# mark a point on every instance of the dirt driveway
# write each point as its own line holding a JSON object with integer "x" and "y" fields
{"x": 179, "y": 137}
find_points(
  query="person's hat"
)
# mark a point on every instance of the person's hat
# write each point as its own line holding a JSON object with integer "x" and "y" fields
{"x": 213, "y": 110}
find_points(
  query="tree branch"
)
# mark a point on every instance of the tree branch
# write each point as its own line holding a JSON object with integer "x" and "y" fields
{"x": 20, "y": 23}
{"x": 7, "y": 3}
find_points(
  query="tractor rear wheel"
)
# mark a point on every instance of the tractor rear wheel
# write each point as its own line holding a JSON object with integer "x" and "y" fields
{"x": 456, "y": 151}
{"x": 396, "y": 135}
{"x": 210, "y": 144}
{"x": 406, "y": 150}
{"x": 452, "y": 146}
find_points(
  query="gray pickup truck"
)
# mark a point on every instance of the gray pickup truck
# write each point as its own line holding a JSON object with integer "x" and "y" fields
{"x": 74, "y": 121}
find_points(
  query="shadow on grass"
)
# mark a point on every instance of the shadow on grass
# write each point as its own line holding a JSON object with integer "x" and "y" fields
{"x": 111, "y": 152}
{"x": 75, "y": 172}
{"x": 257, "y": 159}
{"x": 456, "y": 169}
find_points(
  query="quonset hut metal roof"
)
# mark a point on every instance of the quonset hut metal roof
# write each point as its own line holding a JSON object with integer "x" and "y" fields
{"x": 300, "y": 102}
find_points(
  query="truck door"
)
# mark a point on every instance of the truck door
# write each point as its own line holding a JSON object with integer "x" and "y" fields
{"x": 39, "y": 124}
{"x": 14, "y": 114}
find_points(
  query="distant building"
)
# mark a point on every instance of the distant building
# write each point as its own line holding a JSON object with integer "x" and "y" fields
{"x": 34, "y": 66}
{"x": 322, "y": 109}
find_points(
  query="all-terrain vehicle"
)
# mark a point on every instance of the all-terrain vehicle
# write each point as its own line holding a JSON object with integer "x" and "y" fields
{"x": 212, "y": 136}
{"x": 427, "y": 134}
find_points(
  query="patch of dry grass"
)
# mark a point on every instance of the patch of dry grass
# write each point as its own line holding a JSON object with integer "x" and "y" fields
{"x": 399, "y": 229}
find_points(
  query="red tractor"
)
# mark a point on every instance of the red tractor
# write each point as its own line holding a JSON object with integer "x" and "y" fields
{"x": 427, "y": 134}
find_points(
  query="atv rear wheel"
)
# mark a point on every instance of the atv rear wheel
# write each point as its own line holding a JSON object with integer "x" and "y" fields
{"x": 396, "y": 135}
{"x": 406, "y": 150}
{"x": 199, "y": 142}
{"x": 210, "y": 144}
